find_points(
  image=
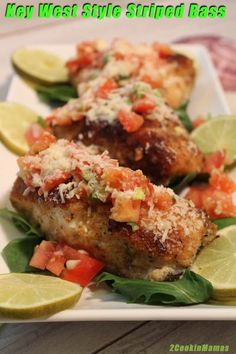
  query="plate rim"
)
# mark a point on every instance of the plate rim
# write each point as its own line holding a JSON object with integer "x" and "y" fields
{"x": 195, "y": 312}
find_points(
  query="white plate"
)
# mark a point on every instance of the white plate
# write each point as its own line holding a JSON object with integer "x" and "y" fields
{"x": 100, "y": 305}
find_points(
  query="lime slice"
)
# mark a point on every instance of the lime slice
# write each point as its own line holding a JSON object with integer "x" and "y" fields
{"x": 217, "y": 134}
{"x": 217, "y": 263}
{"x": 40, "y": 66}
{"x": 30, "y": 295}
{"x": 15, "y": 119}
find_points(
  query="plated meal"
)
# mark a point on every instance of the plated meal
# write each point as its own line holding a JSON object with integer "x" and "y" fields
{"x": 117, "y": 188}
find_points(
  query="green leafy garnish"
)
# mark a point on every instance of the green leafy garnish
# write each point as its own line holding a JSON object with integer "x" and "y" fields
{"x": 184, "y": 182}
{"x": 106, "y": 59}
{"x": 123, "y": 77}
{"x": 18, "y": 253}
{"x": 21, "y": 223}
{"x": 222, "y": 223}
{"x": 183, "y": 116}
{"x": 133, "y": 225}
{"x": 42, "y": 122}
{"x": 56, "y": 95}
{"x": 190, "y": 289}
{"x": 179, "y": 183}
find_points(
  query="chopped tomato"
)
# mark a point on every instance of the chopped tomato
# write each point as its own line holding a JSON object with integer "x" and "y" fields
{"x": 222, "y": 182}
{"x": 70, "y": 253}
{"x": 215, "y": 161}
{"x": 125, "y": 179}
{"x": 216, "y": 203}
{"x": 106, "y": 88}
{"x": 56, "y": 264}
{"x": 53, "y": 257}
{"x": 130, "y": 121}
{"x": 195, "y": 195}
{"x": 44, "y": 141}
{"x": 126, "y": 210}
{"x": 84, "y": 271}
{"x": 86, "y": 56}
{"x": 33, "y": 133}
{"x": 42, "y": 254}
{"x": 144, "y": 105}
{"x": 163, "y": 50}
{"x": 199, "y": 121}
{"x": 163, "y": 200}
{"x": 153, "y": 83}
{"x": 53, "y": 182}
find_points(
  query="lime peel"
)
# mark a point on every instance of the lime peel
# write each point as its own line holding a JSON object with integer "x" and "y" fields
{"x": 15, "y": 119}
{"x": 27, "y": 296}
{"x": 217, "y": 134}
{"x": 220, "y": 269}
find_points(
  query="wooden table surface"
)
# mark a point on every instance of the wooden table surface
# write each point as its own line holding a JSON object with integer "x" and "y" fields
{"x": 107, "y": 337}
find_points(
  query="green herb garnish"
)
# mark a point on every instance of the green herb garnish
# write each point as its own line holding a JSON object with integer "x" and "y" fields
{"x": 225, "y": 222}
{"x": 133, "y": 225}
{"x": 184, "y": 117}
{"x": 123, "y": 77}
{"x": 42, "y": 122}
{"x": 188, "y": 290}
{"x": 57, "y": 94}
{"x": 18, "y": 253}
{"x": 21, "y": 223}
{"x": 106, "y": 59}
{"x": 179, "y": 183}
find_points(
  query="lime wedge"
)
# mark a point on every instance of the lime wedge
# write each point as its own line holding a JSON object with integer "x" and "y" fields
{"x": 31, "y": 296}
{"x": 40, "y": 66}
{"x": 217, "y": 263}
{"x": 217, "y": 134}
{"x": 15, "y": 119}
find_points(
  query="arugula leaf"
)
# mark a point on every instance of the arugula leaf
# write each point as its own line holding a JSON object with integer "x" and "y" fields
{"x": 184, "y": 182}
{"x": 18, "y": 253}
{"x": 190, "y": 289}
{"x": 222, "y": 223}
{"x": 178, "y": 184}
{"x": 57, "y": 94}
{"x": 21, "y": 223}
{"x": 184, "y": 117}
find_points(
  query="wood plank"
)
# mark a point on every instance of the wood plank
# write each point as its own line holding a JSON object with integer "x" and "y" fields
{"x": 156, "y": 337}
{"x": 82, "y": 338}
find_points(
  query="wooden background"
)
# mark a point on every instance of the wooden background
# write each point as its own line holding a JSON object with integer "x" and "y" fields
{"x": 107, "y": 337}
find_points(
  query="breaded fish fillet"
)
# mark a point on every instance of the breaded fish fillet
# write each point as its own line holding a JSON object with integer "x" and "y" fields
{"x": 137, "y": 229}
{"x": 134, "y": 124}
{"x": 157, "y": 64}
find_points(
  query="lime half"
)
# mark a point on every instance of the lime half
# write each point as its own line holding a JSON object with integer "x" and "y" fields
{"x": 30, "y": 295}
{"x": 40, "y": 66}
{"x": 217, "y": 263}
{"x": 217, "y": 134}
{"x": 15, "y": 119}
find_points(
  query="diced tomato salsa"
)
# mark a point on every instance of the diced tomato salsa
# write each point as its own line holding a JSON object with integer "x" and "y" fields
{"x": 130, "y": 121}
{"x": 53, "y": 257}
{"x": 216, "y": 198}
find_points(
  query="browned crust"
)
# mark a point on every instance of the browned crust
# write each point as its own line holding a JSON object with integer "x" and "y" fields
{"x": 86, "y": 225}
{"x": 159, "y": 152}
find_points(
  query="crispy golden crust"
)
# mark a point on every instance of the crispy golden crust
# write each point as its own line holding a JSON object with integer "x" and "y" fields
{"x": 159, "y": 152}
{"x": 177, "y": 93}
{"x": 86, "y": 225}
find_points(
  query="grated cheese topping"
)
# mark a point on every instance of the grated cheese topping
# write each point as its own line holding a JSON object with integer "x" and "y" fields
{"x": 107, "y": 109}
{"x": 66, "y": 170}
